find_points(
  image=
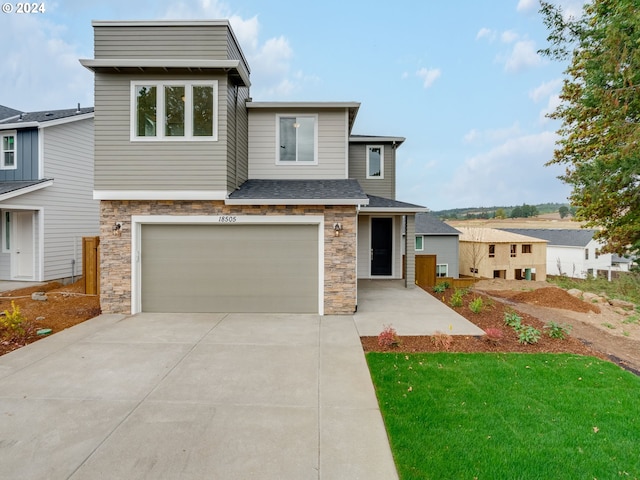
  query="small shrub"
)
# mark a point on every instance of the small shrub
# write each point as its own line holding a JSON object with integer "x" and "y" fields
{"x": 633, "y": 319}
{"x": 512, "y": 319}
{"x": 388, "y": 337}
{"x": 442, "y": 340}
{"x": 12, "y": 320}
{"x": 528, "y": 334}
{"x": 558, "y": 330}
{"x": 456, "y": 298}
{"x": 493, "y": 334}
{"x": 440, "y": 287}
{"x": 476, "y": 305}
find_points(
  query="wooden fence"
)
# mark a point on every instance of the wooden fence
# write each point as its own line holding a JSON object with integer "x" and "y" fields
{"x": 91, "y": 265}
{"x": 426, "y": 274}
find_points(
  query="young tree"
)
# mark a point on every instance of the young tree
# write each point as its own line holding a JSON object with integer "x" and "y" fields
{"x": 600, "y": 113}
{"x": 563, "y": 211}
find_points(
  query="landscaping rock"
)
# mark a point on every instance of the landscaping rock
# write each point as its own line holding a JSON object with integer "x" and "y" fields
{"x": 39, "y": 296}
{"x": 615, "y": 302}
{"x": 575, "y": 292}
{"x": 592, "y": 297}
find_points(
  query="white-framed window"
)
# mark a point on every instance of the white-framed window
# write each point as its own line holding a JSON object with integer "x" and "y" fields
{"x": 375, "y": 161}
{"x": 296, "y": 139}
{"x": 174, "y": 110}
{"x": 442, "y": 270}
{"x": 8, "y": 151}
{"x": 419, "y": 243}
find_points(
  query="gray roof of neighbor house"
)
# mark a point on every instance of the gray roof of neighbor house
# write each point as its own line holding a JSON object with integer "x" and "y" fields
{"x": 6, "y": 112}
{"x": 41, "y": 117}
{"x": 429, "y": 224}
{"x": 560, "y": 237}
{"x": 316, "y": 192}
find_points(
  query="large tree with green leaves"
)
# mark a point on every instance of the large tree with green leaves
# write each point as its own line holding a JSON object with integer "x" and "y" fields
{"x": 600, "y": 114}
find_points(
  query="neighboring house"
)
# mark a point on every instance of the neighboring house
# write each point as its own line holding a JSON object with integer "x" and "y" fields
{"x": 492, "y": 253}
{"x": 434, "y": 237}
{"x": 571, "y": 252}
{"x": 46, "y": 192}
{"x": 213, "y": 202}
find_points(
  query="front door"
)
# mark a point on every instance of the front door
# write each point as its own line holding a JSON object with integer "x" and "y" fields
{"x": 381, "y": 246}
{"x": 22, "y": 248}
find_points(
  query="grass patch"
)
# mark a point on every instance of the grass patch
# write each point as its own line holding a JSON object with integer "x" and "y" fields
{"x": 489, "y": 416}
{"x": 626, "y": 287}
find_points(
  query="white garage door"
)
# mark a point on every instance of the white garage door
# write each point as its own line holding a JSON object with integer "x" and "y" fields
{"x": 229, "y": 268}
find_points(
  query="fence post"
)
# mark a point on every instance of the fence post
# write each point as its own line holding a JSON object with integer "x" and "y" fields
{"x": 91, "y": 264}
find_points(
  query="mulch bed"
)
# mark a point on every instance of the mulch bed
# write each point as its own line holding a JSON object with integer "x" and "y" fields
{"x": 492, "y": 316}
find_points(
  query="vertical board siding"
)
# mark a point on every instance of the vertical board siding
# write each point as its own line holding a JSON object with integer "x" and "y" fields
{"x": 146, "y": 41}
{"x": 380, "y": 187}
{"x": 332, "y": 134}
{"x": 68, "y": 206}
{"x": 445, "y": 248}
{"x": 121, "y": 164}
{"x": 26, "y": 159}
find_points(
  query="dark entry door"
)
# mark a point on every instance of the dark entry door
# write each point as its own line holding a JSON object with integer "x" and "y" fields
{"x": 381, "y": 246}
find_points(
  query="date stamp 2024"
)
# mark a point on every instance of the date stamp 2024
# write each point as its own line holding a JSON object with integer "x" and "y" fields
{"x": 26, "y": 7}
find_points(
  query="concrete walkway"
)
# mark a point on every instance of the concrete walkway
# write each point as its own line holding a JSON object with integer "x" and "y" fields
{"x": 197, "y": 396}
{"x": 411, "y": 311}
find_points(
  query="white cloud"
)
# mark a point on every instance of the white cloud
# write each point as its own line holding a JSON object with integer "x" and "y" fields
{"x": 486, "y": 33}
{"x": 493, "y": 135}
{"x": 508, "y": 174}
{"x": 428, "y": 76}
{"x": 509, "y": 36}
{"x": 527, "y": 5}
{"x": 524, "y": 55}
{"x": 41, "y": 70}
{"x": 471, "y": 136}
{"x": 545, "y": 89}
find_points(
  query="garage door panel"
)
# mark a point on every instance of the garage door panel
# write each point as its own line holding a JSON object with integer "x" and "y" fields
{"x": 229, "y": 268}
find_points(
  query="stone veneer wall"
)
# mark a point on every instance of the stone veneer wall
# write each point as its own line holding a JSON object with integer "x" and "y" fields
{"x": 340, "y": 282}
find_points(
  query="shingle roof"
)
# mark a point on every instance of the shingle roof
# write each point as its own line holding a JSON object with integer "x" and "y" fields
{"x": 257, "y": 189}
{"x": 44, "y": 116}
{"x": 8, "y": 187}
{"x": 6, "y": 112}
{"x": 381, "y": 202}
{"x": 561, "y": 237}
{"x": 493, "y": 235}
{"x": 429, "y": 224}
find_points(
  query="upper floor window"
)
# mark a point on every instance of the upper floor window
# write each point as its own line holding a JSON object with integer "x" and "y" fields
{"x": 492, "y": 251}
{"x": 526, "y": 248}
{"x": 174, "y": 110}
{"x": 514, "y": 249}
{"x": 297, "y": 139}
{"x": 8, "y": 152}
{"x": 375, "y": 161}
{"x": 586, "y": 254}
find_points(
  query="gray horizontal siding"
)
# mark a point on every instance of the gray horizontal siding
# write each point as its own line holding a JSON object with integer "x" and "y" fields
{"x": 195, "y": 42}
{"x": 237, "y": 171}
{"x": 381, "y": 187}
{"x": 332, "y": 136}
{"x": 446, "y": 250}
{"x": 121, "y": 164}
{"x": 26, "y": 159}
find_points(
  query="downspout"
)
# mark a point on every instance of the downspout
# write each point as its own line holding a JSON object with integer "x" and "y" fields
{"x": 235, "y": 107}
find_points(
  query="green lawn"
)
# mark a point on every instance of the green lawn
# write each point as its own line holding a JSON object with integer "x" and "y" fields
{"x": 508, "y": 416}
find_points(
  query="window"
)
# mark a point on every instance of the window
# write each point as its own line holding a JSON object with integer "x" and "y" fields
{"x": 375, "y": 161}
{"x": 296, "y": 138}
{"x": 526, "y": 248}
{"x": 492, "y": 251}
{"x": 182, "y": 110}
{"x": 443, "y": 269}
{"x": 586, "y": 254}
{"x": 514, "y": 249}
{"x": 8, "y": 150}
{"x": 419, "y": 243}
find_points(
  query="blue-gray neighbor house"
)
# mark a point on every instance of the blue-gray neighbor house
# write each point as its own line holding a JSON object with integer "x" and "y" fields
{"x": 435, "y": 237}
{"x": 46, "y": 192}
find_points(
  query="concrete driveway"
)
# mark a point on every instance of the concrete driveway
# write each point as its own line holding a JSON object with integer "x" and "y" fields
{"x": 193, "y": 396}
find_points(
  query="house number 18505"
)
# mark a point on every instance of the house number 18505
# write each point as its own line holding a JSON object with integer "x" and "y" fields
{"x": 227, "y": 219}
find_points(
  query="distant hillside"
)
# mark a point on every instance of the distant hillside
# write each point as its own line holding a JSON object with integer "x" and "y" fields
{"x": 511, "y": 211}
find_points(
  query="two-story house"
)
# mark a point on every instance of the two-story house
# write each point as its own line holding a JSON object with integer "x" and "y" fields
{"x": 46, "y": 192}
{"x": 493, "y": 253}
{"x": 213, "y": 202}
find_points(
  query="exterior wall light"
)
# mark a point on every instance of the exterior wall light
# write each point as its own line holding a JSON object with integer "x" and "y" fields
{"x": 337, "y": 228}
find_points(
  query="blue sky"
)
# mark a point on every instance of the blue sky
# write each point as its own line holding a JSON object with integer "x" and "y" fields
{"x": 460, "y": 80}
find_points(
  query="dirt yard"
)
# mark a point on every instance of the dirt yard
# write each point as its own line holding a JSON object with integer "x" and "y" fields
{"x": 597, "y": 329}
{"x": 64, "y": 307}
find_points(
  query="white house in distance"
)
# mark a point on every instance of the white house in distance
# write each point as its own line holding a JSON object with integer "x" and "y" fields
{"x": 570, "y": 252}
